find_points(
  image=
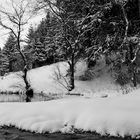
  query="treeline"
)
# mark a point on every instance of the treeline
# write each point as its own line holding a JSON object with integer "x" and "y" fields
{"x": 81, "y": 29}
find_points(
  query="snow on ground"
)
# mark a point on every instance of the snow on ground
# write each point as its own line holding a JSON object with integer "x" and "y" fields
{"x": 43, "y": 80}
{"x": 12, "y": 82}
{"x": 117, "y": 116}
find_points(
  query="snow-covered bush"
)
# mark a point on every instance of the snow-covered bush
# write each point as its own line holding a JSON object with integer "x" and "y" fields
{"x": 122, "y": 78}
{"x": 88, "y": 75}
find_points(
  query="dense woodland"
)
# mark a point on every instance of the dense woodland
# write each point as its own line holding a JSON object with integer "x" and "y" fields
{"x": 80, "y": 29}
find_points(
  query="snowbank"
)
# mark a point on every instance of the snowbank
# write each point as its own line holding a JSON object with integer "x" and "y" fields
{"x": 117, "y": 116}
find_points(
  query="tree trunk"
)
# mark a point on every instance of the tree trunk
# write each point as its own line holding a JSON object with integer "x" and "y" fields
{"x": 88, "y": 35}
{"x": 29, "y": 91}
{"x": 133, "y": 65}
{"x": 10, "y": 66}
{"x": 72, "y": 83}
{"x": 72, "y": 79}
{"x": 129, "y": 49}
{"x": 134, "y": 80}
{"x": 25, "y": 78}
{"x": 139, "y": 7}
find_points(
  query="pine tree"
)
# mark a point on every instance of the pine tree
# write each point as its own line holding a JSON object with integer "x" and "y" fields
{"x": 41, "y": 42}
{"x": 3, "y": 64}
{"x": 39, "y": 51}
{"x": 31, "y": 37}
{"x": 29, "y": 48}
{"x": 9, "y": 53}
{"x": 50, "y": 42}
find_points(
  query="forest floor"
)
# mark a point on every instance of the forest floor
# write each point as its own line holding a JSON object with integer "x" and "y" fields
{"x": 12, "y": 133}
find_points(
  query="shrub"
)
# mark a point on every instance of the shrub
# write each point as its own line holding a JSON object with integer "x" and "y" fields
{"x": 122, "y": 78}
{"x": 88, "y": 75}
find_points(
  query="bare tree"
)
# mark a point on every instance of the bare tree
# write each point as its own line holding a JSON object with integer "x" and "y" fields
{"x": 14, "y": 18}
{"x": 69, "y": 34}
{"x": 131, "y": 50}
{"x": 61, "y": 78}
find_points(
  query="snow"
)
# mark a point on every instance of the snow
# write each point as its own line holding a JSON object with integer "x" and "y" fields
{"x": 43, "y": 80}
{"x": 117, "y": 116}
{"x": 10, "y": 98}
{"x": 12, "y": 83}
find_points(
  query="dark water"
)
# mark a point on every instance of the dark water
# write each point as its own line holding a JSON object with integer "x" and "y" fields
{"x": 11, "y": 133}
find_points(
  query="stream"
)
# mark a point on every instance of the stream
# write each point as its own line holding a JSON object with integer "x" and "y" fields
{"x": 12, "y": 133}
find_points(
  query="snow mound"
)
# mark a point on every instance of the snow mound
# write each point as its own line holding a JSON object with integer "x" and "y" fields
{"x": 117, "y": 116}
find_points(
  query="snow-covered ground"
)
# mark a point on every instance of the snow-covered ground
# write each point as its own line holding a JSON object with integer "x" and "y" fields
{"x": 118, "y": 116}
{"x": 43, "y": 80}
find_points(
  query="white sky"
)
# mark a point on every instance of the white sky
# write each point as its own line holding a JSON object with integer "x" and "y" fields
{"x": 4, "y": 33}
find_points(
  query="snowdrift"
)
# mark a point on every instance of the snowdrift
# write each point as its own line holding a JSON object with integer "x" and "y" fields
{"x": 117, "y": 116}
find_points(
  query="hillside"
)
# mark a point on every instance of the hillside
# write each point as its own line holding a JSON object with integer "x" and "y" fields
{"x": 43, "y": 80}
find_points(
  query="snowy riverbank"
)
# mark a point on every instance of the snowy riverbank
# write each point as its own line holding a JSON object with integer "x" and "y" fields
{"x": 12, "y": 133}
{"x": 116, "y": 116}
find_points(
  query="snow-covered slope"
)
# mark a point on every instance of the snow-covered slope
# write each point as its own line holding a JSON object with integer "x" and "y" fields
{"x": 118, "y": 116}
{"x": 43, "y": 79}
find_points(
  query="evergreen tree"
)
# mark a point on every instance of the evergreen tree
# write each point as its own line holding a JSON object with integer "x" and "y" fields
{"x": 41, "y": 41}
{"x": 29, "y": 48}
{"x": 39, "y": 51}
{"x": 3, "y": 64}
{"x": 10, "y": 51}
{"x": 31, "y": 37}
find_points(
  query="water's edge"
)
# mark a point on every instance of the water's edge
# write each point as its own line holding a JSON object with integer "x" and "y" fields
{"x": 12, "y": 133}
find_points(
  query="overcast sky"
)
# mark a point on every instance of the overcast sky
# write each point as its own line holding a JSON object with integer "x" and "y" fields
{"x": 4, "y": 33}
